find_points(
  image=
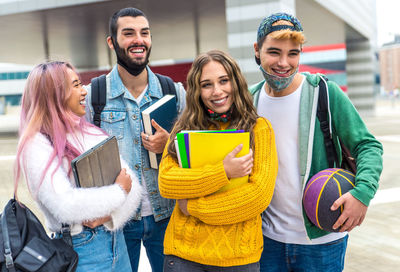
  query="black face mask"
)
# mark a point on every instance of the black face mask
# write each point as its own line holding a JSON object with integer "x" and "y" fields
{"x": 130, "y": 65}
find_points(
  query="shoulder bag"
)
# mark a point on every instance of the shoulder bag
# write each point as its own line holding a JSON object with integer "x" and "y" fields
{"x": 25, "y": 246}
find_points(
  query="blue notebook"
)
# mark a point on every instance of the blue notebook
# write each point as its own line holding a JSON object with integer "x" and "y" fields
{"x": 164, "y": 113}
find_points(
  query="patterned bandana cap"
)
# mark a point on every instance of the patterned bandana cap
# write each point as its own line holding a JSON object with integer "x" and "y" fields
{"x": 266, "y": 24}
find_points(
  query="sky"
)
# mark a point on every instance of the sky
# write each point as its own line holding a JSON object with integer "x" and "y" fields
{"x": 388, "y": 20}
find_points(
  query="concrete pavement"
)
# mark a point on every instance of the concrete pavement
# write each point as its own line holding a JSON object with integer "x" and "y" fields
{"x": 375, "y": 245}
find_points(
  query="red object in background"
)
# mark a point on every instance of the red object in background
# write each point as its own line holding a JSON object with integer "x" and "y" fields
{"x": 314, "y": 70}
{"x": 324, "y": 47}
{"x": 177, "y": 72}
{"x": 86, "y": 77}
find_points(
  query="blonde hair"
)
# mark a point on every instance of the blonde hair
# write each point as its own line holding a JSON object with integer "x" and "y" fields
{"x": 296, "y": 36}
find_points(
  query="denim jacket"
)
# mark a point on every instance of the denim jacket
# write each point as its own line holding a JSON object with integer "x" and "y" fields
{"x": 122, "y": 118}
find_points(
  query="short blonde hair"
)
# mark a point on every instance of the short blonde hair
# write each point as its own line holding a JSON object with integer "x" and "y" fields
{"x": 280, "y": 26}
{"x": 296, "y": 36}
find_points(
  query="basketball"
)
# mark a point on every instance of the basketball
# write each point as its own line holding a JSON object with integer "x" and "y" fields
{"x": 321, "y": 191}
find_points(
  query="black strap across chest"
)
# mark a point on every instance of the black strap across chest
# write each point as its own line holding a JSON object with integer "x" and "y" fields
{"x": 322, "y": 114}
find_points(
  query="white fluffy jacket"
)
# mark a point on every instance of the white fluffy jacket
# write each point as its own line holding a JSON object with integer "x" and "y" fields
{"x": 59, "y": 199}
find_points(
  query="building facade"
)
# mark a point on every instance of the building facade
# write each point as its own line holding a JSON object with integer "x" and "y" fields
{"x": 389, "y": 64}
{"x": 340, "y": 35}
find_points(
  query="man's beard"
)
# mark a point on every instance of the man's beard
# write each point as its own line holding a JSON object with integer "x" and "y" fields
{"x": 132, "y": 66}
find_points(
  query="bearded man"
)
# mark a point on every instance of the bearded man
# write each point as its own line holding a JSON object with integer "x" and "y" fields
{"x": 131, "y": 88}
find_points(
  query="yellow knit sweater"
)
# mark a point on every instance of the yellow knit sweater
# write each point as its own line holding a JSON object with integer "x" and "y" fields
{"x": 224, "y": 229}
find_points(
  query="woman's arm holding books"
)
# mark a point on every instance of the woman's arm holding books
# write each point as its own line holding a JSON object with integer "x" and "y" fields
{"x": 248, "y": 200}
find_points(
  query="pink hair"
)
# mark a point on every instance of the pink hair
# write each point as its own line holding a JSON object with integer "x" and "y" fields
{"x": 45, "y": 110}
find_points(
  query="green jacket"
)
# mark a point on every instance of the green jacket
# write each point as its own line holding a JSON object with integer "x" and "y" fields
{"x": 346, "y": 125}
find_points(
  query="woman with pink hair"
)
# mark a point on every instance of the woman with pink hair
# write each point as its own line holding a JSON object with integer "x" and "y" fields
{"x": 52, "y": 133}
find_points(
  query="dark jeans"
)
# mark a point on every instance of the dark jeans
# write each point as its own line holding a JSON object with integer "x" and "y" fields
{"x": 280, "y": 257}
{"x": 175, "y": 264}
{"x": 152, "y": 234}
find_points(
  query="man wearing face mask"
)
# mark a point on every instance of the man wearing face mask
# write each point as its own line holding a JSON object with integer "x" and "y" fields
{"x": 289, "y": 100}
{"x": 131, "y": 88}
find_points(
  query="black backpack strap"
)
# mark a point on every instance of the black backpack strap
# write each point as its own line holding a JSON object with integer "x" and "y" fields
{"x": 322, "y": 114}
{"x": 6, "y": 243}
{"x": 99, "y": 90}
{"x": 66, "y": 233}
{"x": 167, "y": 85}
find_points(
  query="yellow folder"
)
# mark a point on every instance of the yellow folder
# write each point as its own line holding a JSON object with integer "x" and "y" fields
{"x": 210, "y": 148}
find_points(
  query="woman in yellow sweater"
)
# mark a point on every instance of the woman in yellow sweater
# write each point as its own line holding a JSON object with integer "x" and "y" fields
{"x": 220, "y": 231}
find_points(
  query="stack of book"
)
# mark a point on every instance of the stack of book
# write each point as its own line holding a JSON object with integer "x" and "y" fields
{"x": 198, "y": 148}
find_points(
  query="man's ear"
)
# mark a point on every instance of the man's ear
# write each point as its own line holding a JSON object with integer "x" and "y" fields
{"x": 110, "y": 42}
{"x": 257, "y": 54}
{"x": 256, "y": 50}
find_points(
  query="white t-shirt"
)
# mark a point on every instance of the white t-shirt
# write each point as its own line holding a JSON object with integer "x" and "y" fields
{"x": 283, "y": 219}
